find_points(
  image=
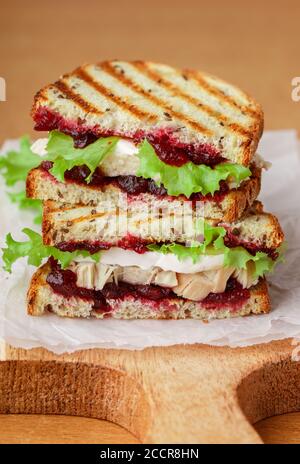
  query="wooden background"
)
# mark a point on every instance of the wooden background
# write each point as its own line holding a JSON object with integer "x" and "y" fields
{"x": 256, "y": 47}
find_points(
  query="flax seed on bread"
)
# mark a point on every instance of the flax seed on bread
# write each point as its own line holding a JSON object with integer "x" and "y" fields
{"x": 258, "y": 227}
{"x": 130, "y": 98}
{"x": 64, "y": 223}
{"x": 41, "y": 299}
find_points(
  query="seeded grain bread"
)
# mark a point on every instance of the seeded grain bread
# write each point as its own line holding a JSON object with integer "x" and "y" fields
{"x": 64, "y": 223}
{"x": 130, "y": 98}
{"x": 258, "y": 227}
{"x": 41, "y": 299}
{"x": 41, "y": 185}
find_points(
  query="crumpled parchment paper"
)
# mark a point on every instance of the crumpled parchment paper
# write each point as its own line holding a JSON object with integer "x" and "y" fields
{"x": 280, "y": 195}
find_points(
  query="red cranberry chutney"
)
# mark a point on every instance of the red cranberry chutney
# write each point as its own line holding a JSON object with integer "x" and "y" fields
{"x": 132, "y": 185}
{"x": 63, "y": 282}
{"x": 139, "y": 245}
{"x": 167, "y": 146}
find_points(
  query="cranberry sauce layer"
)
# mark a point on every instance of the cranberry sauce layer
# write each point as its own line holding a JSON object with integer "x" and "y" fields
{"x": 167, "y": 146}
{"x": 234, "y": 297}
{"x": 126, "y": 243}
{"x": 232, "y": 239}
{"x": 63, "y": 282}
{"x": 171, "y": 151}
{"x": 132, "y": 185}
{"x": 139, "y": 245}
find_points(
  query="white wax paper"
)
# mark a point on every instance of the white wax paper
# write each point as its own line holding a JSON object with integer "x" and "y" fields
{"x": 280, "y": 194}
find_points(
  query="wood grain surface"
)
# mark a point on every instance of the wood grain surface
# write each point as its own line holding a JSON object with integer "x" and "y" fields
{"x": 21, "y": 428}
{"x": 38, "y": 428}
{"x": 256, "y": 47}
{"x": 179, "y": 394}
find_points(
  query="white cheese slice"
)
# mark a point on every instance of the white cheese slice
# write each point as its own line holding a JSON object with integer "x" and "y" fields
{"x": 166, "y": 262}
{"x": 122, "y": 161}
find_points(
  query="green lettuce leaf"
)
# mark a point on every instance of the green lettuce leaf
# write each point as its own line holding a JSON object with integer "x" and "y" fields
{"x": 36, "y": 251}
{"x": 181, "y": 251}
{"x": 213, "y": 243}
{"x": 15, "y": 164}
{"x": 239, "y": 257}
{"x": 28, "y": 203}
{"x": 61, "y": 151}
{"x": 212, "y": 236}
{"x": 233, "y": 257}
{"x": 189, "y": 178}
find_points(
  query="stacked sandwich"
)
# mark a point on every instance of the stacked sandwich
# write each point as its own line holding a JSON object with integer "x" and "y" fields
{"x": 149, "y": 178}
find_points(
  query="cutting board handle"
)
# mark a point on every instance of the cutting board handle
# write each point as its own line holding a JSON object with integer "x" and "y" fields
{"x": 179, "y": 394}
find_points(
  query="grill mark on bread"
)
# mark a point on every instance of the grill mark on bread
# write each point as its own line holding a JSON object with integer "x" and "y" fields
{"x": 237, "y": 128}
{"x": 111, "y": 70}
{"x": 253, "y": 223}
{"x": 53, "y": 109}
{"x": 106, "y": 92}
{"x": 84, "y": 218}
{"x": 176, "y": 91}
{"x": 76, "y": 98}
{"x": 60, "y": 209}
{"x": 141, "y": 66}
{"x": 41, "y": 96}
{"x": 219, "y": 94}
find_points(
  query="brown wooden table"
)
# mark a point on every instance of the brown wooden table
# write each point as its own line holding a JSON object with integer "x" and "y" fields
{"x": 256, "y": 47}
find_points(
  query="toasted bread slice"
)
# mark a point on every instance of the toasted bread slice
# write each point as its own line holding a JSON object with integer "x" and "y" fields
{"x": 104, "y": 226}
{"x": 140, "y": 99}
{"x": 227, "y": 207}
{"x": 41, "y": 299}
{"x": 257, "y": 228}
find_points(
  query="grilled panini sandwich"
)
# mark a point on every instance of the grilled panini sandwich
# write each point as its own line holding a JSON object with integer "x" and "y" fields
{"x": 96, "y": 229}
{"x": 138, "y": 279}
{"x": 125, "y": 300}
{"x": 186, "y": 115}
{"x": 226, "y": 204}
{"x": 182, "y": 135}
{"x": 149, "y": 178}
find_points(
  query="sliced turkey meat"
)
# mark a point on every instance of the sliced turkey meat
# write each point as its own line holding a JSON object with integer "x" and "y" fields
{"x": 193, "y": 287}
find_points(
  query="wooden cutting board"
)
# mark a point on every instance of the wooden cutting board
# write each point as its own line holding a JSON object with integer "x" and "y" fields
{"x": 173, "y": 394}
{"x": 179, "y": 394}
